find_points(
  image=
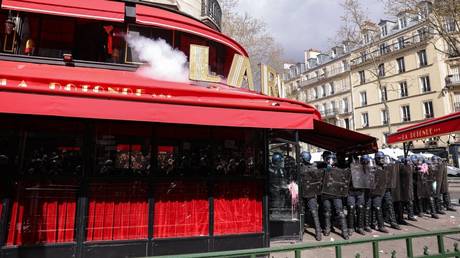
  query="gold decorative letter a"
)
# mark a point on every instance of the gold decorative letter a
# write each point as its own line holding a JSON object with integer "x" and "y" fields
{"x": 241, "y": 68}
{"x": 199, "y": 64}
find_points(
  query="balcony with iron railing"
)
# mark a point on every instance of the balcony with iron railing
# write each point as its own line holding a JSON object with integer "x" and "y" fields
{"x": 452, "y": 80}
{"x": 328, "y": 74}
{"x": 211, "y": 11}
{"x": 457, "y": 106}
{"x": 394, "y": 48}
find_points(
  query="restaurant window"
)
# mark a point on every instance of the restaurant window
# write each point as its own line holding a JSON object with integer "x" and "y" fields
{"x": 122, "y": 150}
{"x": 135, "y": 31}
{"x": 405, "y": 113}
{"x": 428, "y": 109}
{"x": 425, "y": 84}
{"x": 44, "y": 202}
{"x": 401, "y": 65}
{"x": 403, "y": 89}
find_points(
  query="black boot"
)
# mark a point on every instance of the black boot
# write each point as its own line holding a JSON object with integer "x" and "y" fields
{"x": 315, "y": 216}
{"x": 432, "y": 208}
{"x": 399, "y": 210}
{"x": 438, "y": 206}
{"x": 392, "y": 216}
{"x": 343, "y": 226}
{"x": 447, "y": 203}
{"x": 327, "y": 224}
{"x": 380, "y": 222}
{"x": 410, "y": 211}
{"x": 351, "y": 219}
{"x": 361, "y": 215}
{"x": 367, "y": 219}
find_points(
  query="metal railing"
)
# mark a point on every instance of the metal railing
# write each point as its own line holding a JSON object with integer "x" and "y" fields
{"x": 297, "y": 249}
{"x": 457, "y": 106}
{"x": 452, "y": 79}
{"x": 381, "y": 51}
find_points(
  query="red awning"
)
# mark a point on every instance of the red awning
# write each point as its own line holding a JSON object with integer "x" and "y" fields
{"x": 427, "y": 129}
{"x": 94, "y": 9}
{"x": 166, "y": 19}
{"x": 338, "y": 139}
{"x": 37, "y": 89}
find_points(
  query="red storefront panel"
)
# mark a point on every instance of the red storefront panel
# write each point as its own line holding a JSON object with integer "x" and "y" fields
{"x": 238, "y": 208}
{"x": 94, "y": 9}
{"x": 42, "y": 214}
{"x": 117, "y": 211}
{"x": 181, "y": 209}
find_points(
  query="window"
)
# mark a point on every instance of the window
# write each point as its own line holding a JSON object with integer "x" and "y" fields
{"x": 383, "y": 30}
{"x": 323, "y": 90}
{"x": 422, "y": 58}
{"x": 345, "y": 105}
{"x": 425, "y": 84}
{"x": 428, "y": 109}
{"x": 383, "y": 48}
{"x": 405, "y": 113}
{"x": 315, "y": 93}
{"x": 362, "y": 77}
{"x": 402, "y": 21}
{"x": 384, "y": 116}
{"x": 347, "y": 123}
{"x": 383, "y": 94}
{"x": 363, "y": 98}
{"x": 403, "y": 89}
{"x": 332, "y": 85}
{"x": 365, "y": 120}
{"x": 401, "y": 42}
{"x": 381, "y": 69}
{"x": 450, "y": 24}
{"x": 401, "y": 65}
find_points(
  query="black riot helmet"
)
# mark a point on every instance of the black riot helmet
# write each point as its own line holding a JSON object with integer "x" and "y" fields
{"x": 328, "y": 157}
{"x": 305, "y": 157}
{"x": 278, "y": 159}
{"x": 365, "y": 159}
{"x": 379, "y": 157}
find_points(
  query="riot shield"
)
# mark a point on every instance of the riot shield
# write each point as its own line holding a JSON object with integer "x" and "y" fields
{"x": 396, "y": 192}
{"x": 311, "y": 180}
{"x": 424, "y": 185}
{"x": 380, "y": 181}
{"x": 407, "y": 182}
{"x": 444, "y": 185}
{"x": 361, "y": 177}
{"x": 336, "y": 182}
{"x": 391, "y": 173}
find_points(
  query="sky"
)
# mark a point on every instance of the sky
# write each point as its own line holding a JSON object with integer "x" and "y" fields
{"x": 299, "y": 25}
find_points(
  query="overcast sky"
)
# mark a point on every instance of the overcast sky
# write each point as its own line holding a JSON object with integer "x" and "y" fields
{"x": 299, "y": 25}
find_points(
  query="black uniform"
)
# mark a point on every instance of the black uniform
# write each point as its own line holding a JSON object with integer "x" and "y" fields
{"x": 374, "y": 202}
{"x": 361, "y": 179}
{"x": 311, "y": 181}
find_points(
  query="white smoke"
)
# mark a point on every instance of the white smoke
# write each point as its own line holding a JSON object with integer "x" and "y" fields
{"x": 163, "y": 62}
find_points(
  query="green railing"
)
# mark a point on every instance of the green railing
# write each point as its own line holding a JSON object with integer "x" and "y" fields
{"x": 338, "y": 245}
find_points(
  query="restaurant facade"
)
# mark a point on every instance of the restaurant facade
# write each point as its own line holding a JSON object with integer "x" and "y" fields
{"x": 97, "y": 160}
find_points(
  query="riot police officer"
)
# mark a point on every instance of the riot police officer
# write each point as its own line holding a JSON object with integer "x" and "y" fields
{"x": 374, "y": 202}
{"x": 444, "y": 189}
{"x": 361, "y": 180}
{"x": 311, "y": 182}
{"x": 424, "y": 186}
{"x": 278, "y": 184}
{"x": 391, "y": 175}
{"x": 335, "y": 187}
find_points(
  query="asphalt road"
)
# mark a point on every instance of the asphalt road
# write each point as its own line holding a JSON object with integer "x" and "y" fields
{"x": 425, "y": 223}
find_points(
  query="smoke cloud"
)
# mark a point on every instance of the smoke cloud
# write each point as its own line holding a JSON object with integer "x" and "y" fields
{"x": 163, "y": 62}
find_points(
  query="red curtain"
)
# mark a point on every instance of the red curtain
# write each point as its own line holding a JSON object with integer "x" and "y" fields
{"x": 42, "y": 214}
{"x": 181, "y": 209}
{"x": 117, "y": 211}
{"x": 238, "y": 208}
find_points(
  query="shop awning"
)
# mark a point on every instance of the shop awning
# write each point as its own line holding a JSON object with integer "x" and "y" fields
{"x": 427, "y": 129}
{"x": 149, "y": 15}
{"x": 338, "y": 139}
{"x": 37, "y": 89}
{"x": 94, "y": 9}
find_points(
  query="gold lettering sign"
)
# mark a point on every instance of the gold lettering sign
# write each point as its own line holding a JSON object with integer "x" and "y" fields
{"x": 3, "y": 82}
{"x": 54, "y": 86}
{"x": 22, "y": 84}
{"x": 240, "y": 71}
{"x": 199, "y": 64}
{"x": 270, "y": 81}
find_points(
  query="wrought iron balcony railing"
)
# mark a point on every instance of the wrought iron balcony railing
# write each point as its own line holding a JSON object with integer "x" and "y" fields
{"x": 210, "y": 9}
{"x": 452, "y": 80}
